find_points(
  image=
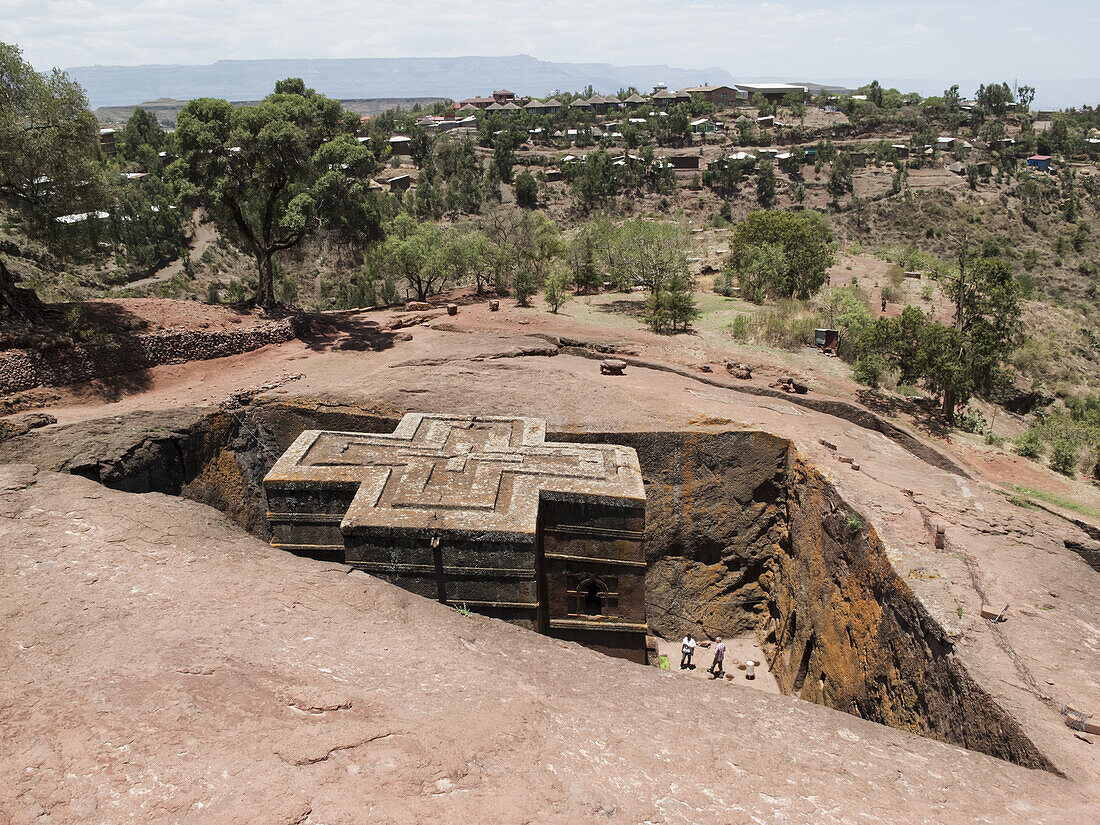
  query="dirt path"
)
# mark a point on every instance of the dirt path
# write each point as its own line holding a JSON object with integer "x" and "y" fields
{"x": 203, "y": 236}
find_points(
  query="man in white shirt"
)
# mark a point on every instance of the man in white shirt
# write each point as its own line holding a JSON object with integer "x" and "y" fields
{"x": 687, "y": 649}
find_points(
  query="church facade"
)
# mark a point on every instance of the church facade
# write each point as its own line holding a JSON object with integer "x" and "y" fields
{"x": 481, "y": 513}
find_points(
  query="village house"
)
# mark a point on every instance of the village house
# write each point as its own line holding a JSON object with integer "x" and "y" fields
{"x": 400, "y": 145}
{"x": 475, "y": 103}
{"x": 716, "y": 95}
{"x": 772, "y": 92}
{"x": 682, "y": 161}
{"x": 107, "y": 140}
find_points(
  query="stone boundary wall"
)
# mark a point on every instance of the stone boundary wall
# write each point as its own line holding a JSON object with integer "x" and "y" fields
{"x": 25, "y": 369}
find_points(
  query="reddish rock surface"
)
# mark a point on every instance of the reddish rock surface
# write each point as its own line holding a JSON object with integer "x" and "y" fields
{"x": 162, "y": 666}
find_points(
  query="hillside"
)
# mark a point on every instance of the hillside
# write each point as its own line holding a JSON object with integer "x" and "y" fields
{"x": 167, "y": 109}
{"x": 453, "y": 77}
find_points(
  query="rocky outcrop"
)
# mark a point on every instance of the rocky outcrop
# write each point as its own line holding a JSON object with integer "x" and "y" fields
{"x": 160, "y": 666}
{"x": 21, "y": 424}
{"x": 741, "y": 535}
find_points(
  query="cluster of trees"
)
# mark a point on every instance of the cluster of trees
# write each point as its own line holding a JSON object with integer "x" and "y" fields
{"x": 49, "y": 153}
{"x": 956, "y": 361}
{"x": 640, "y": 254}
{"x": 598, "y": 180}
{"x": 510, "y": 251}
{"x": 271, "y": 174}
{"x": 452, "y": 179}
{"x": 778, "y": 255}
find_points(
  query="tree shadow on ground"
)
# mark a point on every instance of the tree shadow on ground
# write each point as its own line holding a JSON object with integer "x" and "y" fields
{"x": 326, "y": 333}
{"x": 92, "y": 347}
{"x": 633, "y": 309}
{"x": 924, "y": 414}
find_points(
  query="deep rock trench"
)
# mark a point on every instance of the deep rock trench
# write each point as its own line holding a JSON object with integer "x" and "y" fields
{"x": 742, "y": 535}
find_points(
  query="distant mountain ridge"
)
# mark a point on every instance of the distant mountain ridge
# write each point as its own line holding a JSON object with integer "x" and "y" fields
{"x": 453, "y": 77}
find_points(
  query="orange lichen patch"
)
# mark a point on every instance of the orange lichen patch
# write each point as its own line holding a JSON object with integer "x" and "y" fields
{"x": 710, "y": 421}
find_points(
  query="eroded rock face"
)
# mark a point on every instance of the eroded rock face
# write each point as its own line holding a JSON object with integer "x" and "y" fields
{"x": 714, "y": 520}
{"x": 847, "y": 632}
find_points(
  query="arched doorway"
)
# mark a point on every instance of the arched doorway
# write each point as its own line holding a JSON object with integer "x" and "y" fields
{"x": 592, "y": 595}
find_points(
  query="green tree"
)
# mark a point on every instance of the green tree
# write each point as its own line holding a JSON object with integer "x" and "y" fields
{"x": 995, "y": 98}
{"x": 796, "y": 103}
{"x": 646, "y": 253}
{"x": 1024, "y": 96}
{"x": 583, "y": 262}
{"x": 420, "y": 146}
{"x": 272, "y": 174}
{"x": 761, "y": 271}
{"x": 413, "y": 252}
{"x": 48, "y": 159}
{"x": 142, "y": 140}
{"x": 765, "y": 184}
{"x": 874, "y": 93}
{"x": 504, "y": 155}
{"x": 987, "y": 313}
{"x": 465, "y": 257}
{"x": 952, "y": 100}
{"x": 724, "y": 177}
{"x": 840, "y": 177}
{"x": 804, "y": 239}
{"x": 525, "y": 245}
{"x": 555, "y": 290}
{"x": 527, "y": 190}
{"x": 671, "y": 305}
{"x": 147, "y": 223}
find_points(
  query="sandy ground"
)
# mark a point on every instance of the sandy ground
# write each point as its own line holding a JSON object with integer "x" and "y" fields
{"x": 738, "y": 652}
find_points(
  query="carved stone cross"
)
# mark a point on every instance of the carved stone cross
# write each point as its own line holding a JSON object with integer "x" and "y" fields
{"x": 462, "y": 475}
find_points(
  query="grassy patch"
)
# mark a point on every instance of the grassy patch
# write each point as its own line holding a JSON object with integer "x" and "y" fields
{"x": 1022, "y": 497}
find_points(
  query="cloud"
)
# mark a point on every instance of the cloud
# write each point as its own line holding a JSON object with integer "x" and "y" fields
{"x": 793, "y": 39}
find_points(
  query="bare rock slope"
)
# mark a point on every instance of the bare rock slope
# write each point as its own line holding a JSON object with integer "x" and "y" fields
{"x": 161, "y": 665}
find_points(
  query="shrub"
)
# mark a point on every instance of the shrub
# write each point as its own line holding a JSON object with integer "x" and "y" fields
{"x": 723, "y": 284}
{"x": 1063, "y": 458}
{"x": 892, "y": 293}
{"x": 1030, "y": 444}
{"x": 739, "y": 329}
{"x": 868, "y": 369}
{"x": 527, "y": 190}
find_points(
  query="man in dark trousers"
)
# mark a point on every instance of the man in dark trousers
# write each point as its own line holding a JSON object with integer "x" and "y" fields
{"x": 715, "y": 668}
{"x": 687, "y": 649}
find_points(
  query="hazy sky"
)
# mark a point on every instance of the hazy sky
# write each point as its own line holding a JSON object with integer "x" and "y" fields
{"x": 805, "y": 39}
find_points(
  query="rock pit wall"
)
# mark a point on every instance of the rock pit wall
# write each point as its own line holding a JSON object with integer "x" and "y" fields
{"x": 741, "y": 535}
{"x": 23, "y": 369}
{"x": 845, "y": 631}
{"x": 715, "y": 517}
